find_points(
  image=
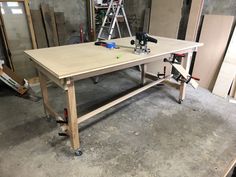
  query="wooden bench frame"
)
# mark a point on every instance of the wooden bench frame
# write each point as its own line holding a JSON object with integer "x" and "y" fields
{"x": 68, "y": 85}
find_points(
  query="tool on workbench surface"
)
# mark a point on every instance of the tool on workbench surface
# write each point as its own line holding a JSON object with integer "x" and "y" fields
{"x": 115, "y": 11}
{"x": 109, "y": 45}
{"x": 141, "y": 41}
{"x": 183, "y": 75}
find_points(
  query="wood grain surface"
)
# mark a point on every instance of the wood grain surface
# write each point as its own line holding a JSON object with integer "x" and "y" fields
{"x": 210, "y": 57}
{"x": 73, "y": 60}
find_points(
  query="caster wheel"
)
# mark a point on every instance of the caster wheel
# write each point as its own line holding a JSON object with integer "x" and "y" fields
{"x": 180, "y": 101}
{"x": 78, "y": 153}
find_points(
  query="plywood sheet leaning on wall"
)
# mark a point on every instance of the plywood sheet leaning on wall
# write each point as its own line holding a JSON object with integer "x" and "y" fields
{"x": 50, "y": 25}
{"x": 225, "y": 79}
{"x": 164, "y": 21}
{"x": 40, "y": 33}
{"x": 165, "y": 18}
{"x": 215, "y": 33}
{"x": 228, "y": 70}
{"x": 61, "y": 30}
{"x": 194, "y": 19}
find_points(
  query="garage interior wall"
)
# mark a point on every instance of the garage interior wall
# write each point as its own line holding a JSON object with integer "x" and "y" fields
{"x": 76, "y": 13}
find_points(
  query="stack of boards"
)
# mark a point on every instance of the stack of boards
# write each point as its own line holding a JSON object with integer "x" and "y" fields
{"x": 49, "y": 27}
{"x": 215, "y": 63}
{"x": 165, "y": 20}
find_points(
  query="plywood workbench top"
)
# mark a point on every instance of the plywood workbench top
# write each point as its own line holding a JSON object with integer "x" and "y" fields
{"x": 73, "y": 60}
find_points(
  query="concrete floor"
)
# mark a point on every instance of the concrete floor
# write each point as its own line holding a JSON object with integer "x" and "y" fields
{"x": 149, "y": 135}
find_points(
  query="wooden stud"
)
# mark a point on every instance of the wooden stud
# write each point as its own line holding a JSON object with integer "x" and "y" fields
{"x": 210, "y": 57}
{"x": 91, "y": 16}
{"x": 30, "y": 24}
{"x": 143, "y": 74}
{"x": 72, "y": 115}
{"x": 194, "y": 20}
{"x": 229, "y": 168}
{"x": 54, "y": 27}
{"x": 119, "y": 100}
{"x": 61, "y": 30}
{"x": 44, "y": 90}
{"x": 50, "y": 25}
{"x": 186, "y": 62}
{"x": 146, "y": 22}
{"x": 39, "y": 29}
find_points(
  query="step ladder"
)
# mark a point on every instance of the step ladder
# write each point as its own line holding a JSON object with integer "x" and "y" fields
{"x": 115, "y": 10}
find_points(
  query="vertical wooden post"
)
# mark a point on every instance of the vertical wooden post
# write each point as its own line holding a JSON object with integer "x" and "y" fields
{"x": 143, "y": 74}
{"x": 72, "y": 115}
{"x": 186, "y": 62}
{"x": 30, "y": 24}
{"x": 44, "y": 90}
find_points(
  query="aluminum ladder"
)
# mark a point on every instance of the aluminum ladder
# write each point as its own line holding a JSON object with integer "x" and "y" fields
{"x": 115, "y": 10}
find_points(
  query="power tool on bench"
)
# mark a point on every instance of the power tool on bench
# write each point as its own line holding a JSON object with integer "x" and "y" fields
{"x": 140, "y": 43}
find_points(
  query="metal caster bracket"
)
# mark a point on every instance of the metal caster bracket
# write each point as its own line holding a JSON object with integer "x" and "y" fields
{"x": 78, "y": 152}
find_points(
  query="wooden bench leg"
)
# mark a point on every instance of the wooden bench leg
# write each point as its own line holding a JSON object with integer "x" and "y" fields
{"x": 72, "y": 117}
{"x": 186, "y": 62}
{"x": 44, "y": 91}
{"x": 143, "y": 73}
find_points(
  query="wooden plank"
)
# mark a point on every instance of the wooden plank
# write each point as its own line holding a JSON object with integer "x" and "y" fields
{"x": 119, "y": 100}
{"x": 50, "y": 25}
{"x": 225, "y": 79}
{"x": 143, "y": 74}
{"x": 229, "y": 168}
{"x": 40, "y": 33}
{"x": 164, "y": 21}
{"x": 72, "y": 116}
{"x": 228, "y": 70}
{"x": 61, "y": 30}
{"x": 146, "y": 22}
{"x": 233, "y": 88}
{"x": 165, "y": 17}
{"x": 185, "y": 74}
{"x": 194, "y": 19}
{"x": 75, "y": 60}
{"x": 44, "y": 90}
{"x": 54, "y": 27}
{"x": 235, "y": 94}
{"x": 91, "y": 17}
{"x": 209, "y": 58}
{"x": 186, "y": 64}
{"x": 30, "y": 24}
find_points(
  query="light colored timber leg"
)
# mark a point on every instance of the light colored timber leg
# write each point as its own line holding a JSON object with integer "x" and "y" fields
{"x": 143, "y": 74}
{"x": 72, "y": 115}
{"x": 186, "y": 62}
{"x": 44, "y": 91}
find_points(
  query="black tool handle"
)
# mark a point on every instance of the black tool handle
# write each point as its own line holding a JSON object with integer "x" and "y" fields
{"x": 150, "y": 39}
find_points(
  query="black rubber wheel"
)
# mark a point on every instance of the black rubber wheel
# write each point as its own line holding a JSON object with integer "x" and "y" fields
{"x": 180, "y": 101}
{"x": 78, "y": 153}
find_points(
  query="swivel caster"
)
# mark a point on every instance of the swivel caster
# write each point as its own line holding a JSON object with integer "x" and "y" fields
{"x": 180, "y": 101}
{"x": 78, "y": 152}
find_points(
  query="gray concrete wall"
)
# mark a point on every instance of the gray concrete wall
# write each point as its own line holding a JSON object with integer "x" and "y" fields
{"x": 220, "y": 7}
{"x": 135, "y": 12}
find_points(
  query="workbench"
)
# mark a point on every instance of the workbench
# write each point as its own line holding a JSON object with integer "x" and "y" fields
{"x": 66, "y": 64}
